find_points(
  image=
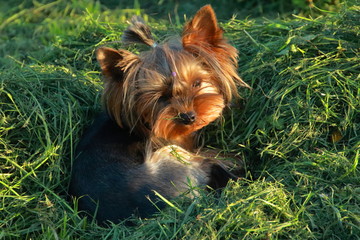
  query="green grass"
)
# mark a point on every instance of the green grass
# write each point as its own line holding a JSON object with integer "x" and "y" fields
{"x": 298, "y": 129}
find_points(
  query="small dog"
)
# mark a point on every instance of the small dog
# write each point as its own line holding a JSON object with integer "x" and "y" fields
{"x": 143, "y": 146}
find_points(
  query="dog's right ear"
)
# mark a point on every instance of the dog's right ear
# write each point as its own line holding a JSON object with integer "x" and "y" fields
{"x": 114, "y": 63}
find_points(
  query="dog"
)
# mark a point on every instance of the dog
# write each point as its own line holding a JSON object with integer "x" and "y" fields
{"x": 144, "y": 144}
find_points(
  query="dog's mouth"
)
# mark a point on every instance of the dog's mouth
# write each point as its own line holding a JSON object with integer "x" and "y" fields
{"x": 174, "y": 124}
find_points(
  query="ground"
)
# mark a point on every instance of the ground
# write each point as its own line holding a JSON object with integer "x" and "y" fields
{"x": 297, "y": 129}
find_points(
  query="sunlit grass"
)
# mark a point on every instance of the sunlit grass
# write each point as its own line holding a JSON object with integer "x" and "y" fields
{"x": 297, "y": 129}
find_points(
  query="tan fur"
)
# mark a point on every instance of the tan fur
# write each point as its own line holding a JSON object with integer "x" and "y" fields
{"x": 147, "y": 93}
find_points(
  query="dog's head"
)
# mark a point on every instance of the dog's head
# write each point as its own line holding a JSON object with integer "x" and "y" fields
{"x": 177, "y": 87}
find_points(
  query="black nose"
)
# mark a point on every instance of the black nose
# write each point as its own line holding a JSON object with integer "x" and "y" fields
{"x": 187, "y": 118}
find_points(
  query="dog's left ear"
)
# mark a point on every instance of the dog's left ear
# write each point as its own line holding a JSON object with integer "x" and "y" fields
{"x": 203, "y": 31}
{"x": 203, "y": 37}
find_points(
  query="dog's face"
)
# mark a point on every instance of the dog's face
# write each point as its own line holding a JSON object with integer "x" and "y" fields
{"x": 177, "y": 87}
{"x": 187, "y": 98}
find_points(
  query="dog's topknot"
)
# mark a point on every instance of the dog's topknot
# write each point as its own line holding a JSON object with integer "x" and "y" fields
{"x": 138, "y": 32}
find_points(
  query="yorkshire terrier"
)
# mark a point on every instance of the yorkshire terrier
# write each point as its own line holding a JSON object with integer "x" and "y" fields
{"x": 144, "y": 145}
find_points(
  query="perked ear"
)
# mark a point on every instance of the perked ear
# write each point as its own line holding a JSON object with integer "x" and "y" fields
{"x": 203, "y": 30}
{"x": 113, "y": 62}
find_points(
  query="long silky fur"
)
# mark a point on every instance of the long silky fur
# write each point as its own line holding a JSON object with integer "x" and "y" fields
{"x": 140, "y": 144}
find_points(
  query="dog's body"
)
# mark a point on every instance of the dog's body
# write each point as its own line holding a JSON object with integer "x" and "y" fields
{"x": 143, "y": 145}
{"x": 112, "y": 179}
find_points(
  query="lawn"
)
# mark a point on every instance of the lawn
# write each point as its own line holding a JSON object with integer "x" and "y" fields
{"x": 297, "y": 129}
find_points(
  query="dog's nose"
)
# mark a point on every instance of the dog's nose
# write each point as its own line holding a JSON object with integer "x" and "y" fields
{"x": 187, "y": 118}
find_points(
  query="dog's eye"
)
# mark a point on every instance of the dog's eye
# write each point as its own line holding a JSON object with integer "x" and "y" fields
{"x": 197, "y": 83}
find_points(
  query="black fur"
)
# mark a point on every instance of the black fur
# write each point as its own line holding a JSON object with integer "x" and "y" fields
{"x": 112, "y": 181}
